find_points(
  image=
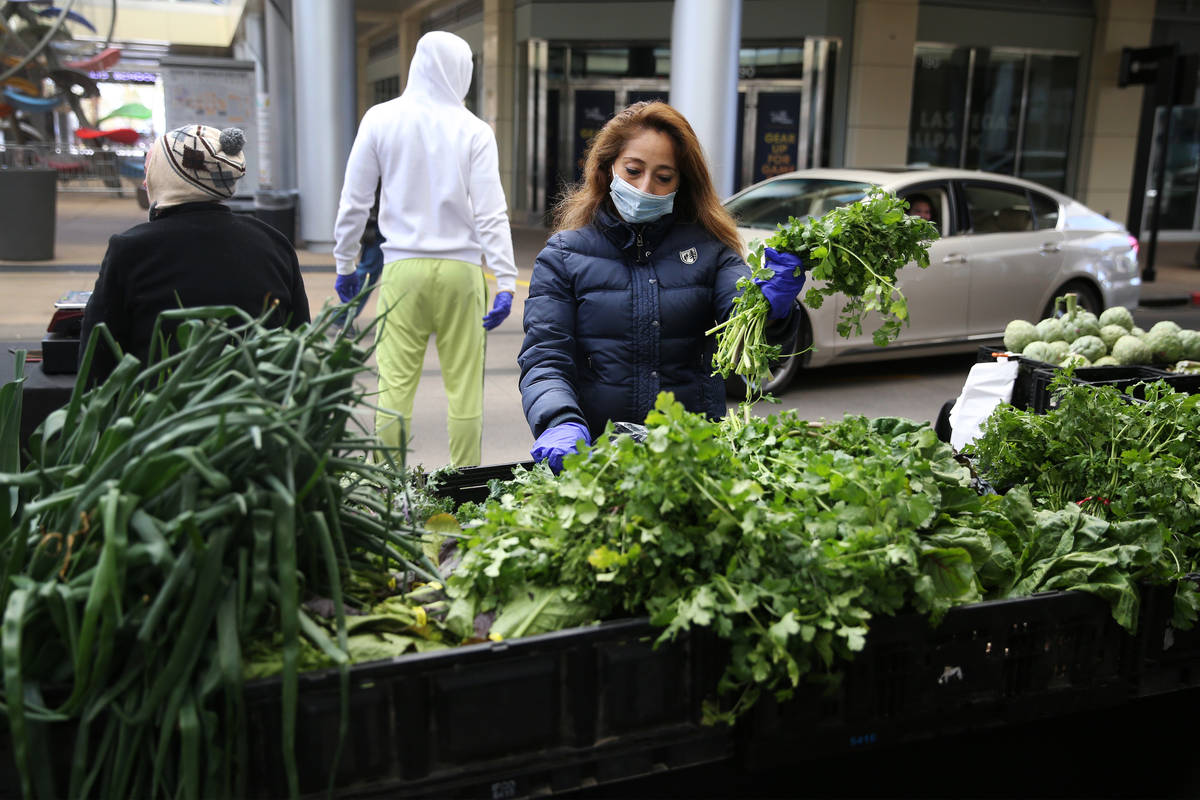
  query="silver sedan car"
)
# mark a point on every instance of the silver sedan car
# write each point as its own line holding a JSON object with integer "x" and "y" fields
{"x": 1008, "y": 248}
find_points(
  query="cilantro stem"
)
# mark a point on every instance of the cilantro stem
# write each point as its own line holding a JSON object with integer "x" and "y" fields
{"x": 739, "y": 603}
{"x": 866, "y": 266}
{"x": 728, "y": 511}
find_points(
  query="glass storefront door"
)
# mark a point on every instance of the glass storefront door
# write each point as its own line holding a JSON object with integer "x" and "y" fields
{"x": 1178, "y": 207}
{"x": 995, "y": 109}
{"x": 783, "y": 123}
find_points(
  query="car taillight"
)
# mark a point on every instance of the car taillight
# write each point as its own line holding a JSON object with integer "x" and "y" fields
{"x": 1134, "y": 246}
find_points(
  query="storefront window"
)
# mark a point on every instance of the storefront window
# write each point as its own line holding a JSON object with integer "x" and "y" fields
{"x": 1046, "y": 139}
{"x": 639, "y": 61}
{"x": 939, "y": 100}
{"x": 1018, "y": 107}
{"x": 770, "y": 62}
{"x": 591, "y": 62}
{"x": 556, "y": 61}
{"x": 1177, "y": 210}
{"x": 386, "y": 88}
{"x": 995, "y": 111}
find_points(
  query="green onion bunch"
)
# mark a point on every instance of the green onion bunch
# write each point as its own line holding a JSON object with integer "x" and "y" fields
{"x": 166, "y": 518}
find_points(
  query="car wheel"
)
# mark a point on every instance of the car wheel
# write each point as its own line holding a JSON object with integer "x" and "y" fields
{"x": 784, "y": 371}
{"x": 1089, "y": 298}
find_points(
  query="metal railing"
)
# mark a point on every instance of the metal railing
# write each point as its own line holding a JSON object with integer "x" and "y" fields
{"x": 80, "y": 169}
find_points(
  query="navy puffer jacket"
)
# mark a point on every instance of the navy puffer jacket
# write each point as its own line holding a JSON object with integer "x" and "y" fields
{"x": 617, "y": 313}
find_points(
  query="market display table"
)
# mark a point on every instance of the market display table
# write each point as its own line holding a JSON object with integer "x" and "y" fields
{"x": 41, "y": 393}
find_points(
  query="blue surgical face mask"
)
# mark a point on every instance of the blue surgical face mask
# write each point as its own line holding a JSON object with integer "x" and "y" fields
{"x": 637, "y": 206}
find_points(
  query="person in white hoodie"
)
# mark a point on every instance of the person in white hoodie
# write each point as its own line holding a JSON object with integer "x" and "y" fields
{"x": 441, "y": 211}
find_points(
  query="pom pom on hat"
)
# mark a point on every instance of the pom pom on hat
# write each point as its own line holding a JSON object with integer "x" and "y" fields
{"x": 195, "y": 163}
{"x": 232, "y": 141}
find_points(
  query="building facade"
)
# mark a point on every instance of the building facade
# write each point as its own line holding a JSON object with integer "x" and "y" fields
{"x": 1024, "y": 87}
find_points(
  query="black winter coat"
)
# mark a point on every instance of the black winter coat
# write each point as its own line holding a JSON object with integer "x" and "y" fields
{"x": 190, "y": 255}
{"x": 617, "y": 313}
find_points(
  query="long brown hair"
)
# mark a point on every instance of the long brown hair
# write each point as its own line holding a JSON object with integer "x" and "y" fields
{"x": 696, "y": 200}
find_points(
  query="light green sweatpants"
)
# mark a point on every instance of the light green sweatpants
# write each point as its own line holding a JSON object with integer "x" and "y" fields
{"x": 446, "y": 299}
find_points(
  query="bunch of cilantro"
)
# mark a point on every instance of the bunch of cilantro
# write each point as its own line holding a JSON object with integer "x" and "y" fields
{"x": 854, "y": 250}
{"x": 784, "y": 539}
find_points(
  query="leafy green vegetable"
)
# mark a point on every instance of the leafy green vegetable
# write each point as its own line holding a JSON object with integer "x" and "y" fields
{"x": 856, "y": 251}
{"x": 784, "y": 538}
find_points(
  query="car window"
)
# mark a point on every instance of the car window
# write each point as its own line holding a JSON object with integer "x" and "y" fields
{"x": 995, "y": 209}
{"x": 769, "y": 204}
{"x": 1045, "y": 212}
{"x": 932, "y": 199}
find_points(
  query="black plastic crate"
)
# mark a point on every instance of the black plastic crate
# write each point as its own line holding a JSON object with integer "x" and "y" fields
{"x": 1188, "y": 383}
{"x": 987, "y": 665}
{"x": 510, "y": 719}
{"x": 1031, "y": 387}
{"x": 470, "y": 484}
{"x": 1168, "y": 659}
{"x": 1042, "y": 400}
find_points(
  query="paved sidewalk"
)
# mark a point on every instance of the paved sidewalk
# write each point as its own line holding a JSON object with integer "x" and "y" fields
{"x": 84, "y": 224}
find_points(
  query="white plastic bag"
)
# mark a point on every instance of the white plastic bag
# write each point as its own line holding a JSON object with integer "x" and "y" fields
{"x": 988, "y": 384}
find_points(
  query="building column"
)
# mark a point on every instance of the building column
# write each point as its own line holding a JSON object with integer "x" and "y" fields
{"x": 281, "y": 97}
{"x": 705, "y": 38}
{"x": 498, "y": 67}
{"x": 881, "y": 77}
{"x": 323, "y": 38}
{"x": 1109, "y": 146}
{"x": 409, "y": 30}
{"x": 365, "y": 98}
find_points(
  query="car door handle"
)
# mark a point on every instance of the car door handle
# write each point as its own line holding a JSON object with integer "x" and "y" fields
{"x": 1050, "y": 247}
{"x": 955, "y": 258}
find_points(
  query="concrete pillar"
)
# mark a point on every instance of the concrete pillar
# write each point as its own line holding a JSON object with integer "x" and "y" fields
{"x": 881, "y": 77}
{"x": 409, "y": 28}
{"x": 1110, "y": 123}
{"x": 281, "y": 97}
{"x": 362, "y": 89}
{"x": 498, "y": 78}
{"x": 251, "y": 46}
{"x": 323, "y": 37}
{"x": 705, "y": 38}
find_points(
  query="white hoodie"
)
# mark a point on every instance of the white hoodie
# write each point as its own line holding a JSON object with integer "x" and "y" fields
{"x": 441, "y": 195}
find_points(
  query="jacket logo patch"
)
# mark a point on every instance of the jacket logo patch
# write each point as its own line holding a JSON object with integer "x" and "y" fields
{"x": 688, "y": 256}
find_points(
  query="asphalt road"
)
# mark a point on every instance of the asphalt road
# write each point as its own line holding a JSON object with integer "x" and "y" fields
{"x": 912, "y": 388}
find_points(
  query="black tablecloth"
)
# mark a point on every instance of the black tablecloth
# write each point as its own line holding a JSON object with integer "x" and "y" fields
{"x": 41, "y": 393}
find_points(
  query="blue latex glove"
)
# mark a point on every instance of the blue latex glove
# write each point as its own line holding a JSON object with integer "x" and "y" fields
{"x": 559, "y": 441}
{"x": 501, "y": 307}
{"x": 347, "y": 286}
{"x": 784, "y": 287}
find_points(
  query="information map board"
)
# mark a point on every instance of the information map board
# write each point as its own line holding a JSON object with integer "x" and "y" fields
{"x": 217, "y": 92}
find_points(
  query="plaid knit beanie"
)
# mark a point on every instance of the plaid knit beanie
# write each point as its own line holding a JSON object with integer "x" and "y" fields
{"x": 195, "y": 163}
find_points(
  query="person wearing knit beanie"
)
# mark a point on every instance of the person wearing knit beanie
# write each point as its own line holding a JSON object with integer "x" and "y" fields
{"x": 193, "y": 252}
{"x": 195, "y": 163}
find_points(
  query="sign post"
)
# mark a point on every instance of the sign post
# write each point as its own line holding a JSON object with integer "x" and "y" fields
{"x": 1153, "y": 66}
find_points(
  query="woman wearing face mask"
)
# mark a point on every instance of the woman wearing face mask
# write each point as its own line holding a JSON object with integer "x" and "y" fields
{"x": 643, "y": 260}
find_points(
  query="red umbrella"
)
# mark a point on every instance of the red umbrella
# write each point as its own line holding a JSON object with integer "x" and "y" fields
{"x": 118, "y": 135}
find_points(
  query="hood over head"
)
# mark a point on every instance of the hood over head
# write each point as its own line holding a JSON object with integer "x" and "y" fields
{"x": 441, "y": 67}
